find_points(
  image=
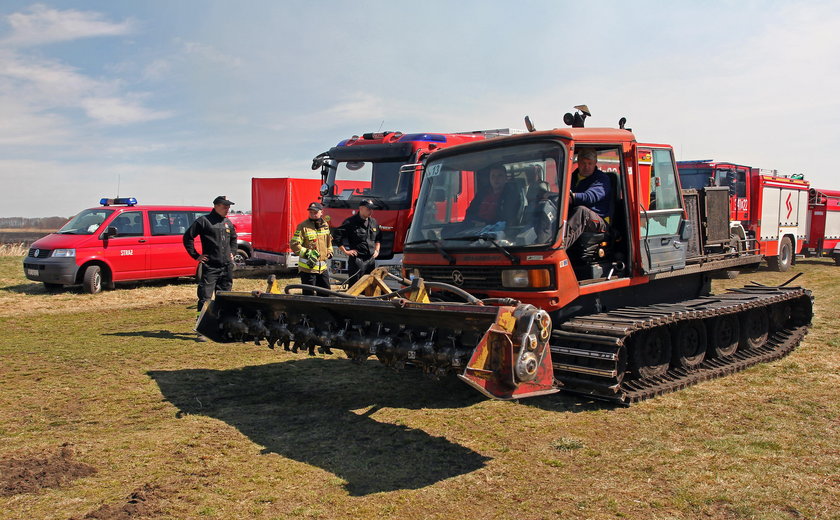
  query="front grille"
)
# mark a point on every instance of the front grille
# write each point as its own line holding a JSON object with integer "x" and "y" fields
{"x": 41, "y": 253}
{"x": 488, "y": 278}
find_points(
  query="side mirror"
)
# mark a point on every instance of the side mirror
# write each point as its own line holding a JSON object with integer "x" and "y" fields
{"x": 109, "y": 232}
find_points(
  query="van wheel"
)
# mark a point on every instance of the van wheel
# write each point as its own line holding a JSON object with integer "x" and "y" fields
{"x": 240, "y": 257}
{"x": 52, "y": 287}
{"x": 92, "y": 280}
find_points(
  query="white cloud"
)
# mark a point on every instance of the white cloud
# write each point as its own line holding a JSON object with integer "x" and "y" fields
{"x": 119, "y": 111}
{"x": 42, "y": 25}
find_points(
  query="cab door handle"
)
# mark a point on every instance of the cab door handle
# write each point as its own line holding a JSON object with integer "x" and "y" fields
{"x": 142, "y": 240}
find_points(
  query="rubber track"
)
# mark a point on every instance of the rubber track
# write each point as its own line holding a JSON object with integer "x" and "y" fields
{"x": 607, "y": 332}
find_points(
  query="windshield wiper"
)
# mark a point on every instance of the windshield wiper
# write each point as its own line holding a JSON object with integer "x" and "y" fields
{"x": 490, "y": 237}
{"x": 449, "y": 258}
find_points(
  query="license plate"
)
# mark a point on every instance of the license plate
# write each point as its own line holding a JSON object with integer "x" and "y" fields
{"x": 32, "y": 272}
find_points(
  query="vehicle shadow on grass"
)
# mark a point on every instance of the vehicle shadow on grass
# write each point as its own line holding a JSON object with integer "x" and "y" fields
{"x": 313, "y": 411}
{"x": 26, "y": 288}
{"x": 155, "y": 334}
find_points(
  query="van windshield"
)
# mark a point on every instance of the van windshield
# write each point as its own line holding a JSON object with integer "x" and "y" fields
{"x": 86, "y": 222}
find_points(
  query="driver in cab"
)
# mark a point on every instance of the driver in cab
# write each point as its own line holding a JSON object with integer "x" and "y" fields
{"x": 590, "y": 197}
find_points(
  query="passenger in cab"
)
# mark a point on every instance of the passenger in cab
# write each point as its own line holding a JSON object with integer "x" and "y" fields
{"x": 590, "y": 197}
{"x": 497, "y": 201}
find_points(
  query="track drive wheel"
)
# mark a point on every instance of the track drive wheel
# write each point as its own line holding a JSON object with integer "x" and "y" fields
{"x": 651, "y": 353}
{"x": 688, "y": 344}
{"x": 784, "y": 260}
{"x": 724, "y": 334}
{"x": 755, "y": 327}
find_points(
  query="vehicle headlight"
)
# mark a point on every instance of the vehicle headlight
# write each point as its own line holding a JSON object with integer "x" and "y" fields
{"x": 64, "y": 253}
{"x": 526, "y": 278}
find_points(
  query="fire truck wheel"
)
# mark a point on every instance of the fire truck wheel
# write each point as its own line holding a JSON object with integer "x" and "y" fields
{"x": 837, "y": 260}
{"x": 92, "y": 281}
{"x": 651, "y": 353}
{"x": 782, "y": 262}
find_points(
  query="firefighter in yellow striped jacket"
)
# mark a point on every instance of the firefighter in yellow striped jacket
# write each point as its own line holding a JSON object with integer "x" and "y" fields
{"x": 312, "y": 243}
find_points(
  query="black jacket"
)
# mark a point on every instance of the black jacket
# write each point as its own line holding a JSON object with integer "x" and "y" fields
{"x": 218, "y": 238}
{"x": 356, "y": 233}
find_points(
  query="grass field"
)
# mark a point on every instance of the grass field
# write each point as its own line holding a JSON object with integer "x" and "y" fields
{"x": 110, "y": 409}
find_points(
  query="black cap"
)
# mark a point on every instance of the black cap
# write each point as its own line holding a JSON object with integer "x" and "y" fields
{"x": 317, "y": 206}
{"x": 367, "y": 203}
{"x": 221, "y": 199}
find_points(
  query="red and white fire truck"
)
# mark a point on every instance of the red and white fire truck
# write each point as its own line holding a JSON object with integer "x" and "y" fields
{"x": 767, "y": 211}
{"x": 823, "y": 224}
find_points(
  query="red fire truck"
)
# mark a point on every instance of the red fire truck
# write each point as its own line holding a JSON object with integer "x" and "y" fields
{"x": 767, "y": 211}
{"x": 387, "y": 166}
{"x": 823, "y": 224}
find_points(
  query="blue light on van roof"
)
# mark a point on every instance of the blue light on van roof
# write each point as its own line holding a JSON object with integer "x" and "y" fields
{"x": 429, "y": 138}
{"x": 128, "y": 201}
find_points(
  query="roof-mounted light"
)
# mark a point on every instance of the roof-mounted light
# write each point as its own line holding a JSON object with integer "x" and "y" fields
{"x": 429, "y": 138}
{"x": 127, "y": 201}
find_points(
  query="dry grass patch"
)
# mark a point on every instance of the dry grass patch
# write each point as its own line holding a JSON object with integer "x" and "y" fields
{"x": 19, "y": 295}
{"x": 15, "y": 250}
{"x": 203, "y": 430}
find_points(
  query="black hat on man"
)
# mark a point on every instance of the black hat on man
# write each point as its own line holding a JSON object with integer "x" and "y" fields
{"x": 367, "y": 203}
{"x": 315, "y": 206}
{"x": 221, "y": 199}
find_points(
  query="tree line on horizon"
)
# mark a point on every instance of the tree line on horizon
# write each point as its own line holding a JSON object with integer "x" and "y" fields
{"x": 51, "y": 223}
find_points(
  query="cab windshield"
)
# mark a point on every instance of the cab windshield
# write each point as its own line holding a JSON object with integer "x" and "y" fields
{"x": 381, "y": 181}
{"x": 86, "y": 222}
{"x": 500, "y": 197}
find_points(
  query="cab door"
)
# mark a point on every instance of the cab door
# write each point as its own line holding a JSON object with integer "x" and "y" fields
{"x": 661, "y": 212}
{"x": 128, "y": 251}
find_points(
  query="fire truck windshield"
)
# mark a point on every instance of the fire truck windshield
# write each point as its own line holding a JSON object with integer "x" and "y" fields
{"x": 86, "y": 222}
{"x": 506, "y": 196}
{"x": 381, "y": 181}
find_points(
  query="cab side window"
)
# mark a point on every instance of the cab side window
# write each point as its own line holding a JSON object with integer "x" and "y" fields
{"x": 129, "y": 224}
{"x": 169, "y": 222}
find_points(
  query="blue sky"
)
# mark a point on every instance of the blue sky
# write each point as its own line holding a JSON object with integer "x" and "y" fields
{"x": 181, "y": 101}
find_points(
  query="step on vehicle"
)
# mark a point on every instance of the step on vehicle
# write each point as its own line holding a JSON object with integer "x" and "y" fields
{"x": 118, "y": 241}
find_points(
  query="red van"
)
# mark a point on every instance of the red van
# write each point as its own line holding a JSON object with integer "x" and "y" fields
{"x": 116, "y": 242}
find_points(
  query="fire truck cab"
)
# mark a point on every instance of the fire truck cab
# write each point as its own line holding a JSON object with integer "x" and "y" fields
{"x": 383, "y": 167}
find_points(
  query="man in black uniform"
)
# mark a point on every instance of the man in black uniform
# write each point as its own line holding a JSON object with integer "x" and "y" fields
{"x": 359, "y": 238}
{"x": 218, "y": 242}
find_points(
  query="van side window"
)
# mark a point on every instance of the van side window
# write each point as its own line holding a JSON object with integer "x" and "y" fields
{"x": 129, "y": 224}
{"x": 169, "y": 222}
